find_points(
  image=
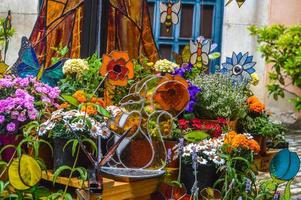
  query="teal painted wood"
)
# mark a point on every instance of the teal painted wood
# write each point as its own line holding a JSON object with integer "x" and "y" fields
{"x": 176, "y": 41}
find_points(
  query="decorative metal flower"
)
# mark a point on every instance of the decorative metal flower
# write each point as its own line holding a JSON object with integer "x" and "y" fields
{"x": 239, "y": 67}
{"x": 118, "y": 66}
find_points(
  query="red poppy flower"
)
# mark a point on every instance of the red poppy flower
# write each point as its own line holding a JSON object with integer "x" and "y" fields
{"x": 118, "y": 66}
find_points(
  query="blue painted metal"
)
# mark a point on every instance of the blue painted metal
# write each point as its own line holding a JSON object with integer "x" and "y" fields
{"x": 176, "y": 41}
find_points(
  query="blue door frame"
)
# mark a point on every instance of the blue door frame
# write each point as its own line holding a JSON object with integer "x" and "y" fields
{"x": 176, "y": 41}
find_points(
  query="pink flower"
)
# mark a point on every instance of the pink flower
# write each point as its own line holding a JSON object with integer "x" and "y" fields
{"x": 11, "y": 127}
{"x": 14, "y": 114}
{"x": 2, "y": 119}
{"x": 22, "y": 118}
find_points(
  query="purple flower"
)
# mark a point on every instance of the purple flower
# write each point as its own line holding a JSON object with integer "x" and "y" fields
{"x": 22, "y": 117}
{"x": 32, "y": 114}
{"x": 186, "y": 67}
{"x": 194, "y": 157}
{"x": 248, "y": 185}
{"x": 11, "y": 127}
{"x": 2, "y": 119}
{"x": 193, "y": 91}
{"x": 276, "y": 196}
{"x": 169, "y": 153}
{"x": 14, "y": 114}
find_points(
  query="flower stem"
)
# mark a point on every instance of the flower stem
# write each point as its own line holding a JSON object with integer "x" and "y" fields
{"x": 72, "y": 170}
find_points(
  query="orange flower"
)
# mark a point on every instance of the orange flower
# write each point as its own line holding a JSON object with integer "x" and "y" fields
{"x": 240, "y": 140}
{"x": 229, "y": 137}
{"x": 254, "y": 146}
{"x": 64, "y": 105}
{"x": 257, "y": 107}
{"x": 172, "y": 95}
{"x": 93, "y": 100}
{"x": 252, "y": 99}
{"x": 118, "y": 66}
{"x": 80, "y": 96}
{"x": 100, "y": 102}
{"x": 89, "y": 109}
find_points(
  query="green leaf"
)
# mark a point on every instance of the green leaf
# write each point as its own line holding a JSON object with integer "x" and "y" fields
{"x": 196, "y": 136}
{"x": 82, "y": 172}
{"x": 59, "y": 171}
{"x": 287, "y": 191}
{"x": 64, "y": 51}
{"x": 68, "y": 196}
{"x": 103, "y": 111}
{"x": 92, "y": 144}
{"x": 67, "y": 143}
{"x": 70, "y": 99}
{"x": 74, "y": 145}
{"x": 214, "y": 55}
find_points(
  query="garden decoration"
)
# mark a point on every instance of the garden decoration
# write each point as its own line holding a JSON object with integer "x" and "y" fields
{"x": 239, "y": 2}
{"x": 149, "y": 108}
{"x": 240, "y": 68}
{"x": 285, "y": 165}
{"x": 6, "y": 32}
{"x": 201, "y": 52}
{"x": 283, "y": 168}
{"x": 174, "y": 189}
{"x": 24, "y": 172}
{"x": 95, "y": 181}
{"x": 117, "y": 68}
{"x": 169, "y": 13}
{"x": 28, "y": 65}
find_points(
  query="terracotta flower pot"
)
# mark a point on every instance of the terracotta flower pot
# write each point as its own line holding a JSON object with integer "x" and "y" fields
{"x": 262, "y": 143}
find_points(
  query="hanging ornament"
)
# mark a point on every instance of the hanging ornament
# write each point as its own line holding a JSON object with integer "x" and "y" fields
{"x": 239, "y": 2}
{"x": 169, "y": 13}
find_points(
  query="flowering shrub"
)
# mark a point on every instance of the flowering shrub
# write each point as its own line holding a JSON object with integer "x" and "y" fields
{"x": 208, "y": 152}
{"x": 165, "y": 65}
{"x": 219, "y": 98}
{"x": 57, "y": 125}
{"x": 22, "y": 100}
{"x": 243, "y": 141}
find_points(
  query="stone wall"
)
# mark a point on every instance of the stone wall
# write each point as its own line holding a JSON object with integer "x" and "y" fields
{"x": 24, "y": 14}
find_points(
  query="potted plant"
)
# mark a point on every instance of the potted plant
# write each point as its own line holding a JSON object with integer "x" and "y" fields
{"x": 237, "y": 180}
{"x": 220, "y": 98}
{"x": 23, "y": 101}
{"x": 258, "y": 123}
{"x": 59, "y": 126}
{"x": 209, "y": 159}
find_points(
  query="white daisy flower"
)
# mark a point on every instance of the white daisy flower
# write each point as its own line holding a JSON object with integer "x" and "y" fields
{"x": 202, "y": 161}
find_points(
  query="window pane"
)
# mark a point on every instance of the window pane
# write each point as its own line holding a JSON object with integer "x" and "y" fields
{"x": 151, "y": 7}
{"x": 186, "y": 21}
{"x": 206, "y": 21}
{"x": 163, "y": 31}
{"x": 165, "y": 50}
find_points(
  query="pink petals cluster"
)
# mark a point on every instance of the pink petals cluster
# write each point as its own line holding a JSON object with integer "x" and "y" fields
{"x": 21, "y": 100}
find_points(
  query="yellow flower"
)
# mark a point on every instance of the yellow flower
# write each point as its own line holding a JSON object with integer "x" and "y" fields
{"x": 75, "y": 66}
{"x": 165, "y": 66}
{"x": 255, "y": 79}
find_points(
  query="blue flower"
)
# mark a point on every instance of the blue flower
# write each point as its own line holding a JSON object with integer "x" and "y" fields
{"x": 239, "y": 67}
